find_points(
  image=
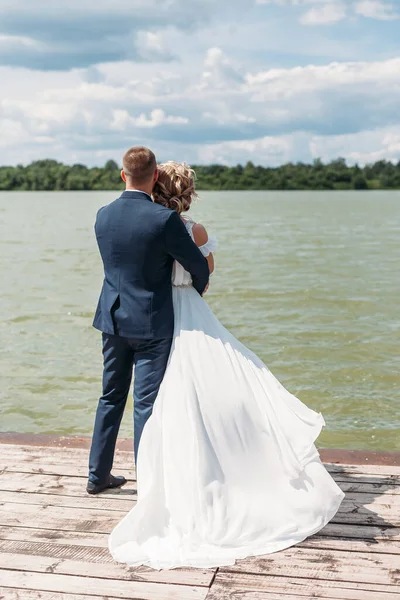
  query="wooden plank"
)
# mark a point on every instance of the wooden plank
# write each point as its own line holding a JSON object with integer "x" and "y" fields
{"x": 56, "y": 484}
{"x": 60, "y": 455}
{"x": 231, "y": 586}
{"x": 54, "y": 451}
{"x": 83, "y": 538}
{"x": 70, "y": 470}
{"x": 26, "y": 510}
{"x": 91, "y": 554}
{"x": 346, "y": 514}
{"x": 368, "y": 498}
{"x": 358, "y": 479}
{"x": 61, "y": 519}
{"x": 373, "y": 511}
{"x": 23, "y": 594}
{"x": 124, "y": 460}
{"x": 383, "y": 509}
{"x": 70, "y": 466}
{"x": 52, "y": 455}
{"x": 103, "y": 588}
{"x": 91, "y": 562}
{"x": 356, "y": 457}
{"x": 362, "y": 486}
{"x": 47, "y": 515}
{"x": 360, "y": 532}
{"x": 316, "y": 564}
{"x": 359, "y": 482}
{"x": 9, "y": 515}
{"x": 62, "y": 462}
{"x": 73, "y": 538}
{"x": 386, "y": 511}
{"x": 87, "y": 501}
{"x": 350, "y": 545}
{"x": 374, "y": 542}
{"x": 381, "y": 470}
{"x": 379, "y": 515}
{"x": 74, "y": 486}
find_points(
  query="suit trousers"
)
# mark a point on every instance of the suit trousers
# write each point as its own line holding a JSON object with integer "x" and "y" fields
{"x": 121, "y": 355}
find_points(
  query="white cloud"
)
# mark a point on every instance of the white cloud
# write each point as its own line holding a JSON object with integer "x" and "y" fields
{"x": 152, "y": 46}
{"x": 45, "y": 35}
{"x": 284, "y": 83}
{"x": 15, "y": 41}
{"x": 226, "y": 118}
{"x": 292, "y": 2}
{"x": 329, "y": 13}
{"x": 268, "y": 150}
{"x": 376, "y": 9}
{"x": 12, "y": 133}
{"x": 193, "y": 84}
{"x": 219, "y": 70}
{"x": 152, "y": 41}
{"x": 122, "y": 120}
{"x": 170, "y": 110}
{"x": 362, "y": 148}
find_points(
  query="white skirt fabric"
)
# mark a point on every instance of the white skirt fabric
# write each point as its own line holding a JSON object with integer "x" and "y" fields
{"x": 227, "y": 466}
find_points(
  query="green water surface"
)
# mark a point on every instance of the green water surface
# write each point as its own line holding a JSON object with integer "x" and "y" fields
{"x": 309, "y": 281}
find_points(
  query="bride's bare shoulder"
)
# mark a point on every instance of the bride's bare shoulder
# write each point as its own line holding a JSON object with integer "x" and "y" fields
{"x": 200, "y": 234}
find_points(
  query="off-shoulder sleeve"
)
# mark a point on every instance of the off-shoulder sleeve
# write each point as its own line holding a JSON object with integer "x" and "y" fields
{"x": 209, "y": 246}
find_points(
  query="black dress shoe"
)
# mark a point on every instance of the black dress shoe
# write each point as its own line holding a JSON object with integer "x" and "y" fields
{"x": 112, "y": 482}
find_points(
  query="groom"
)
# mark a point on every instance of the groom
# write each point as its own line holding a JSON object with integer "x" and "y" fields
{"x": 138, "y": 242}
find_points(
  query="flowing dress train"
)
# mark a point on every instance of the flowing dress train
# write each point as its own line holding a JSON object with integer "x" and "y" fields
{"x": 227, "y": 466}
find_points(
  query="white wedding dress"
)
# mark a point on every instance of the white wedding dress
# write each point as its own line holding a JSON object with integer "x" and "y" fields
{"x": 227, "y": 466}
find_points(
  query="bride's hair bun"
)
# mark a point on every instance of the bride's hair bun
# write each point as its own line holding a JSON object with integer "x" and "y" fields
{"x": 175, "y": 187}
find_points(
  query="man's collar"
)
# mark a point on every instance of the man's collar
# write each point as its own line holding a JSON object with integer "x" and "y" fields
{"x": 137, "y": 194}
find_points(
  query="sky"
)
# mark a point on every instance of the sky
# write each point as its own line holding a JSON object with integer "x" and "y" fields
{"x": 205, "y": 81}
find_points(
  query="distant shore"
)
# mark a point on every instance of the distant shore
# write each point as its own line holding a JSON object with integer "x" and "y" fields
{"x": 50, "y": 175}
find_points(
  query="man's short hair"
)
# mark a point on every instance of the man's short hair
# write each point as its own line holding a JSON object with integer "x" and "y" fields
{"x": 139, "y": 164}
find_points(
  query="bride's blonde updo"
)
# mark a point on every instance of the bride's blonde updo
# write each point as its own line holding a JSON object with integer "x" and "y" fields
{"x": 174, "y": 187}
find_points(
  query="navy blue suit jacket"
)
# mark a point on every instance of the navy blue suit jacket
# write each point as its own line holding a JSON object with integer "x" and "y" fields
{"x": 138, "y": 242}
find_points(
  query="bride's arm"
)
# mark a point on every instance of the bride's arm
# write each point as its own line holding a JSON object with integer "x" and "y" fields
{"x": 200, "y": 236}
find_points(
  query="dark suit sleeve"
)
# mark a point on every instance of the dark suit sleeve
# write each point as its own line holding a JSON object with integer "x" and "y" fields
{"x": 183, "y": 249}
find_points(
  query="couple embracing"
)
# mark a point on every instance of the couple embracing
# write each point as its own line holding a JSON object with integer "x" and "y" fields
{"x": 225, "y": 458}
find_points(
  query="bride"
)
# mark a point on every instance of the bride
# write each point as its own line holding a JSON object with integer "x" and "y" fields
{"x": 227, "y": 466}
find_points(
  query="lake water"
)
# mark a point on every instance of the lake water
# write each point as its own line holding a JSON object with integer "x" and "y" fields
{"x": 309, "y": 281}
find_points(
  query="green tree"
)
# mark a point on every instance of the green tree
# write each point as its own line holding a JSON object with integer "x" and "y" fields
{"x": 336, "y": 175}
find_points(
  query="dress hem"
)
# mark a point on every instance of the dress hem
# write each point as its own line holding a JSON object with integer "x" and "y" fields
{"x": 270, "y": 549}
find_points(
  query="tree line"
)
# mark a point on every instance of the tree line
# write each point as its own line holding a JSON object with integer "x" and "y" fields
{"x": 50, "y": 175}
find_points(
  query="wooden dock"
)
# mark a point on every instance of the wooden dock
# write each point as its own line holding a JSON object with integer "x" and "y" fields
{"x": 53, "y": 536}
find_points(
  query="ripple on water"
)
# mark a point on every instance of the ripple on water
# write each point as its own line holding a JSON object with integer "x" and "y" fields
{"x": 22, "y": 319}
